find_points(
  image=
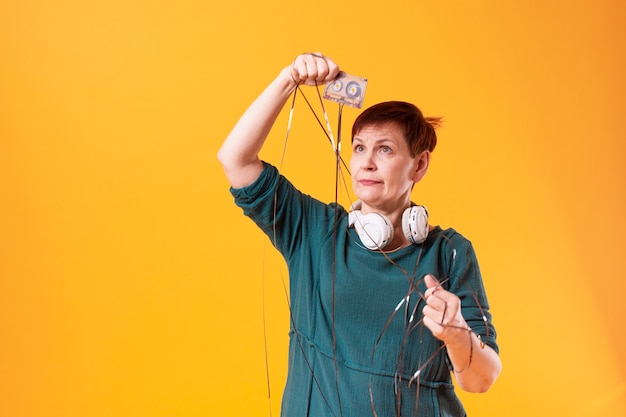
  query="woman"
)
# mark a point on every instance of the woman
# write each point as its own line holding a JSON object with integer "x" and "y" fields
{"x": 384, "y": 306}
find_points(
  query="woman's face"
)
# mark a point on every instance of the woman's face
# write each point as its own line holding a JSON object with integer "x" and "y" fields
{"x": 383, "y": 170}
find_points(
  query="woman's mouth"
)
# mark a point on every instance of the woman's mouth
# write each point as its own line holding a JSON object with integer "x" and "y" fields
{"x": 368, "y": 182}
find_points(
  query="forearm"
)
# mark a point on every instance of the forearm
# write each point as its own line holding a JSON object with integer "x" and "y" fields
{"x": 476, "y": 365}
{"x": 239, "y": 152}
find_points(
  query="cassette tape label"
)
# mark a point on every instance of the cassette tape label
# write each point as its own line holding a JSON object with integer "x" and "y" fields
{"x": 346, "y": 89}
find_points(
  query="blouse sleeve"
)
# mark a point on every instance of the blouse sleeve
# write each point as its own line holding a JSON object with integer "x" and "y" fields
{"x": 466, "y": 282}
{"x": 286, "y": 215}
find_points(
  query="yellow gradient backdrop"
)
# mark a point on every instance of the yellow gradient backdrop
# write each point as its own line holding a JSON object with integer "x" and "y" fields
{"x": 130, "y": 284}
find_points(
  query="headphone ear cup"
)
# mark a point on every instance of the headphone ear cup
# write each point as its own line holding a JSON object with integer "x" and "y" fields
{"x": 415, "y": 224}
{"x": 374, "y": 230}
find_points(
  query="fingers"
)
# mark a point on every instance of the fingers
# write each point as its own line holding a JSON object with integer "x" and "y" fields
{"x": 432, "y": 286}
{"x": 443, "y": 319}
{"x": 431, "y": 282}
{"x": 442, "y": 307}
{"x": 313, "y": 68}
{"x": 442, "y": 312}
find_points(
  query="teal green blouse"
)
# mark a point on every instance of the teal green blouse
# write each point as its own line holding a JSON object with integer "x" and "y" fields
{"x": 357, "y": 346}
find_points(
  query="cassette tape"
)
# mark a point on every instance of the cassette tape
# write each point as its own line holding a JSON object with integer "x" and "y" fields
{"x": 346, "y": 89}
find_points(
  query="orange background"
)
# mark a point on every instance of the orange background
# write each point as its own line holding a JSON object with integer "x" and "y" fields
{"x": 130, "y": 285}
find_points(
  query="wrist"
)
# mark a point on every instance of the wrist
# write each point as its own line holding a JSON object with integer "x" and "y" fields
{"x": 461, "y": 348}
{"x": 287, "y": 79}
{"x": 457, "y": 338}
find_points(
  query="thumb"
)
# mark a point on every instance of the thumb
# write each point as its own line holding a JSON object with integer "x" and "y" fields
{"x": 430, "y": 281}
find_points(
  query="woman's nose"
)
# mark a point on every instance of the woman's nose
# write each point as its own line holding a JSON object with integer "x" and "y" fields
{"x": 368, "y": 162}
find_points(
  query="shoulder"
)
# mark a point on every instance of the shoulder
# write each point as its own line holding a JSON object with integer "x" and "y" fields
{"x": 450, "y": 246}
{"x": 449, "y": 237}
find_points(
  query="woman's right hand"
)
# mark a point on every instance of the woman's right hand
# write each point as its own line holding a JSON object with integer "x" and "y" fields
{"x": 312, "y": 69}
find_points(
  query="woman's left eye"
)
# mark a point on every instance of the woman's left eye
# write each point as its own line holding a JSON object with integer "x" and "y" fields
{"x": 385, "y": 149}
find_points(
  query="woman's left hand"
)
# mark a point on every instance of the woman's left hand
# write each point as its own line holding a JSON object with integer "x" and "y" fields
{"x": 442, "y": 313}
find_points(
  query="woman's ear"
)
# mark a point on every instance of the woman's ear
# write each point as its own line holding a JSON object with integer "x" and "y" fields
{"x": 422, "y": 161}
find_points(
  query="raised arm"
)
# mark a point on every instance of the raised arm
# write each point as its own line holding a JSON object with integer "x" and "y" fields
{"x": 239, "y": 154}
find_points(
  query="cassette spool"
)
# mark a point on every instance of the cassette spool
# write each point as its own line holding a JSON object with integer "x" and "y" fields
{"x": 346, "y": 89}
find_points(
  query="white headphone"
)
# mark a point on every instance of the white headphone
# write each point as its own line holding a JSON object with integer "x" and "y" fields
{"x": 376, "y": 230}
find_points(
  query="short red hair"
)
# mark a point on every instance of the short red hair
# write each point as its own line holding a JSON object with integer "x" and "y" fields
{"x": 419, "y": 131}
